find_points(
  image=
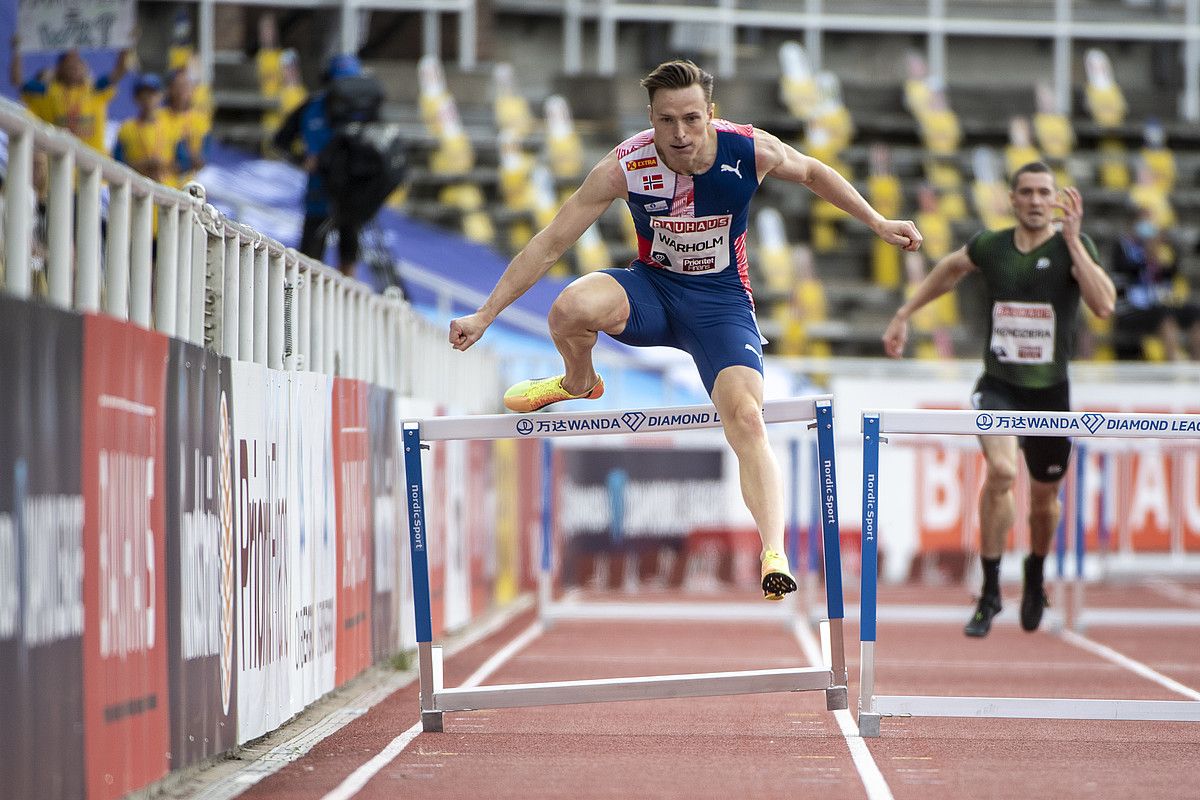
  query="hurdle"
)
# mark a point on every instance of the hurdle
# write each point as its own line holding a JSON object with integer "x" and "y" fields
{"x": 819, "y": 418}
{"x": 875, "y": 426}
{"x": 1084, "y": 617}
{"x": 436, "y": 699}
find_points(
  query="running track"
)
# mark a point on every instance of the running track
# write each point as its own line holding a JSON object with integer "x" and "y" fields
{"x": 762, "y": 745}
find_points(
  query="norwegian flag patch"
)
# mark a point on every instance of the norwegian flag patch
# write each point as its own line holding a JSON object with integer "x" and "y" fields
{"x": 652, "y": 182}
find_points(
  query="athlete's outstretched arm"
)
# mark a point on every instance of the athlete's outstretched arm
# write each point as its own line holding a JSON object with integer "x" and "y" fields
{"x": 603, "y": 184}
{"x": 944, "y": 276}
{"x": 1095, "y": 287}
{"x": 774, "y": 157}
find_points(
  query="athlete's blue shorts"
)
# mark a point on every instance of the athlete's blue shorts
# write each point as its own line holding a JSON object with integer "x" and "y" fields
{"x": 710, "y": 320}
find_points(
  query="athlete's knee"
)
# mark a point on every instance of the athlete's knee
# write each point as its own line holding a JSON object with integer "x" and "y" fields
{"x": 572, "y": 310}
{"x": 1000, "y": 476}
{"x": 1043, "y": 497}
{"x": 744, "y": 424}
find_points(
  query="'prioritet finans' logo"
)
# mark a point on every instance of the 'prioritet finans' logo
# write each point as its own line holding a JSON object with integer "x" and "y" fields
{"x": 633, "y": 419}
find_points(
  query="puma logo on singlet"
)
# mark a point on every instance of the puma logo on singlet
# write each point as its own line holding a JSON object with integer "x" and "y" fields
{"x": 736, "y": 169}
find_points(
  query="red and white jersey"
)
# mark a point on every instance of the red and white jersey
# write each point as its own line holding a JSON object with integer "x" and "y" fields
{"x": 693, "y": 224}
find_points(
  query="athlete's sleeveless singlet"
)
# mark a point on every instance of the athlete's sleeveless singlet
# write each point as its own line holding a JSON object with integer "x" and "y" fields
{"x": 689, "y": 286}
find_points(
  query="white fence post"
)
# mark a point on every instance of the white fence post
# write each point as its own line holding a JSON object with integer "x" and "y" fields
{"x": 183, "y": 273}
{"x": 275, "y": 310}
{"x": 245, "y": 262}
{"x": 116, "y": 268}
{"x": 166, "y": 269}
{"x": 306, "y": 278}
{"x": 230, "y": 314}
{"x": 87, "y": 240}
{"x": 331, "y": 337}
{"x": 316, "y": 356}
{"x": 261, "y": 300}
{"x": 18, "y": 214}
{"x": 60, "y": 243}
{"x": 140, "y": 257}
{"x": 200, "y": 257}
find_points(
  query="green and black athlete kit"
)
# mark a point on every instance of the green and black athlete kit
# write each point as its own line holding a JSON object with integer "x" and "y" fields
{"x": 1034, "y": 306}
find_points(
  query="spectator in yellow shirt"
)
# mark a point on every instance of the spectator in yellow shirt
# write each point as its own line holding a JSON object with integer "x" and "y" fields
{"x": 149, "y": 142}
{"x": 71, "y": 99}
{"x": 191, "y": 125}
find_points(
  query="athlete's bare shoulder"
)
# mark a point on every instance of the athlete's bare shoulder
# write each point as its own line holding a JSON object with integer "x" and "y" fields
{"x": 769, "y": 151}
{"x": 607, "y": 179}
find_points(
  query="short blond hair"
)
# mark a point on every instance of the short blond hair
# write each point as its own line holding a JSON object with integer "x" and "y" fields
{"x": 678, "y": 74}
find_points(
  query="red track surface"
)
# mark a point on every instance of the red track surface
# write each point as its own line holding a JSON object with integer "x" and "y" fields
{"x": 783, "y": 744}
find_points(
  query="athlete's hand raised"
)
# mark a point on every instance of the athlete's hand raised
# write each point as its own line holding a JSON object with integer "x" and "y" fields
{"x": 900, "y": 232}
{"x": 1072, "y": 212}
{"x": 466, "y": 331}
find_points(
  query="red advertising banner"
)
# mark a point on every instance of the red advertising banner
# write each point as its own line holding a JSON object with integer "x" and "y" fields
{"x": 124, "y": 583}
{"x": 353, "y": 498}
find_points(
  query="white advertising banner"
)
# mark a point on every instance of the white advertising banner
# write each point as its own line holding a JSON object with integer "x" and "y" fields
{"x": 54, "y": 25}
{"x": 314, "y": 539}
{"x": 264, "y": 548}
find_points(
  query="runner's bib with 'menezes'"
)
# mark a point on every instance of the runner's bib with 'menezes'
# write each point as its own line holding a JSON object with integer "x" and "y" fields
{"x": 1023, "y": 333}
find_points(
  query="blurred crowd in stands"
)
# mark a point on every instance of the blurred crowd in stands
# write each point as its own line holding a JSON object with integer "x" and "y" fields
{"x": 799, "y": 273}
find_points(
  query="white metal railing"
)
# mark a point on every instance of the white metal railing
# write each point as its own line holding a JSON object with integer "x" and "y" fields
{"x": 204, "y": 278}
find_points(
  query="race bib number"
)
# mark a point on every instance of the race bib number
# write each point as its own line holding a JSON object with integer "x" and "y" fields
{"x": 1023, "y": 333}
{"x": 691, "y": 245}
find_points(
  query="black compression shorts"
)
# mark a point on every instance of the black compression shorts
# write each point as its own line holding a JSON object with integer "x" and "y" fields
{"x": 1046, "y": 457}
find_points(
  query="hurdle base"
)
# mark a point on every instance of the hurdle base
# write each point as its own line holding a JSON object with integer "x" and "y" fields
{"x": 836, "y": 698}
{"x": 659, "y": 687}
{"x": 669, "y": 612}
{"x": 868, "y": 724}
{"x": 431, "y": 721}
{"x": 1037, "y": 708}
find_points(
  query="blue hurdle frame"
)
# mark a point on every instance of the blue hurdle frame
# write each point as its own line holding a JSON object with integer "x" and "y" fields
{"x": 872, "y": 707}
{"x": 830, "y": 678}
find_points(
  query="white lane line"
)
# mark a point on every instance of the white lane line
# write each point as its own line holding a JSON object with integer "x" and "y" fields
{"x": 358, "y": 779}
{"x": 873, "y": 781}
{"x": 1128, "y": 663}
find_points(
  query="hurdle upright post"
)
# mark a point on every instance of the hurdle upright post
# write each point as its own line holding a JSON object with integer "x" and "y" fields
{"x": 792, "y": 533}
{"x": 868, "y": 718}
{"x": 545, "y": 587}
{"x": 1079, "y": 531}
{"x": 836, "y": 697}
{"x": 429, "y": 658}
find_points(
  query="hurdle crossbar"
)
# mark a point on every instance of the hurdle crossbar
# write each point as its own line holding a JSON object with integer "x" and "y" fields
{"x": 436, "y": 699}
{"x": 1037, "y": 708}
{"x": 659, "y": 687}
{"x": 876, "y": 425}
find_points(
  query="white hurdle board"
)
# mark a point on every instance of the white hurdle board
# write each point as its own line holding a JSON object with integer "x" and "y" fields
{"x": 876, "y": 425}
{"x": 437, "y": 699}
